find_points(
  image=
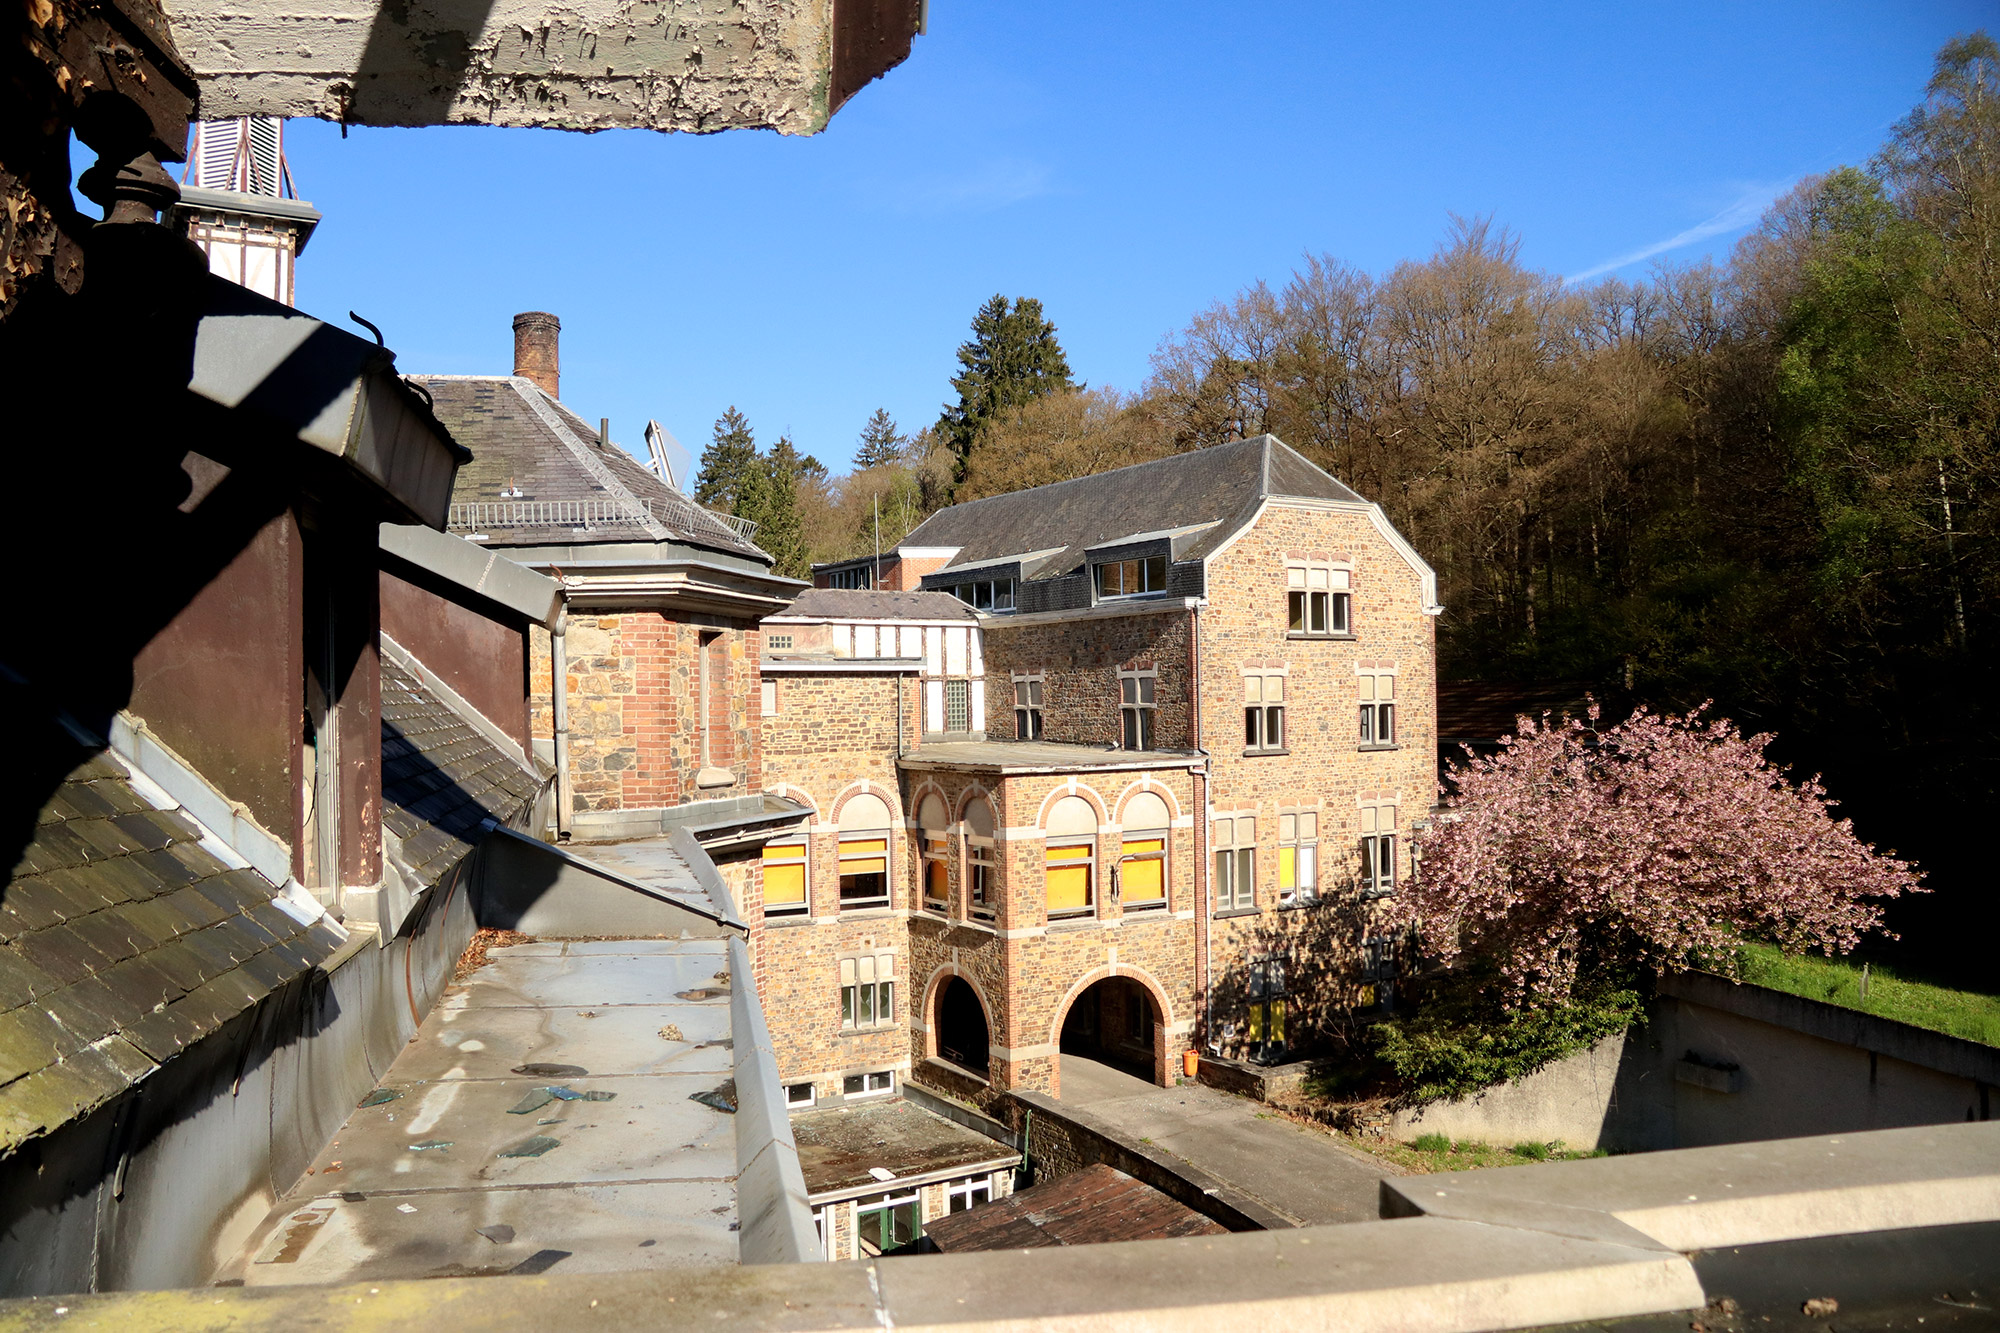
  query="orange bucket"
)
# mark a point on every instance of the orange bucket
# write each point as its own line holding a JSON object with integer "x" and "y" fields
{"x": 1190, "y": 1063}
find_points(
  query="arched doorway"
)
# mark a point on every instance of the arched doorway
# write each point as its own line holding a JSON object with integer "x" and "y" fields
{"x": 960, "y": 1025}
{"x": 1113, "y": 1022}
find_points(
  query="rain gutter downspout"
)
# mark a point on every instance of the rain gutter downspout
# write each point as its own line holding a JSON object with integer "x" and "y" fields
{"x": 559, "y": 705}
{"x": 1202, "y": 872}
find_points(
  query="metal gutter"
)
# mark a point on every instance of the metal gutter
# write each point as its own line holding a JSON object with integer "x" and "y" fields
{"x": 773, "y": 1213}
{"x": 536, "y": 598}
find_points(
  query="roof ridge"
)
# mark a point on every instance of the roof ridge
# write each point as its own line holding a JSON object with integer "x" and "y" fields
{"x": 533, "y": 394}
{"x": 1184, "y": 454}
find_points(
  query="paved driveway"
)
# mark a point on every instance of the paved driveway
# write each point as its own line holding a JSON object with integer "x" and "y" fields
{"x": 1303, "y": 1174}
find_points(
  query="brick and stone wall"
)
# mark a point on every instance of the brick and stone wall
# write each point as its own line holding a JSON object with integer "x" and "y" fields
{"x": 1080, "y": 661}
{"x": 635, "y": 724}
{"x": 1244, "y": 628}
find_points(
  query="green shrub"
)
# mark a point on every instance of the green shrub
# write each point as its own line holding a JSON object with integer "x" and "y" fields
{"x": 1534, "y": 1152}
{"x": 1431, "y": 1143}
{"x": 1460, "y": 1042}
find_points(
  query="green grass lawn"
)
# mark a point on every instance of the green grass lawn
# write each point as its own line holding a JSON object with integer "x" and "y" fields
{"x": 1967, "y": 1014}
{"x": 1434, "y": 1152}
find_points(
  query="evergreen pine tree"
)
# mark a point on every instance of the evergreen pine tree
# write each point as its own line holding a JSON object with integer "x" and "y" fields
{"x": 880, "y": 441}
{"x": 727, "y": 463}
{"x": 771, "y": 501}
{"x": 1011, "y": 358}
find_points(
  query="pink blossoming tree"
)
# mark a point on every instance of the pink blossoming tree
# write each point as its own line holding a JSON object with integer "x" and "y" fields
{"x": 1653, "y": 844}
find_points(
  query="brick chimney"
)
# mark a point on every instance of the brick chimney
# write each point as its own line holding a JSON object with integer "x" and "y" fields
{"x": 535, "y": 335}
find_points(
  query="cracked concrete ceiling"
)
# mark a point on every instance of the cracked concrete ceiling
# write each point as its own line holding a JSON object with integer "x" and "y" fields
{"x": 692, "y": 65}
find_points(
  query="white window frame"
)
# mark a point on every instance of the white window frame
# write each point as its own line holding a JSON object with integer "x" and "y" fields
{"x": 1149, "y": 574}
{"x": 1164, "y": 856}
{"x": 804, "y": 906}
{"x": 1030, "y": 694}
{"x": 868, "y": 985}
{"x": 1379, "y": 837}
{"x": 906, "y": 1196}
{"x": 794, "y": 1102}
{"x": 869, "y": 1085}
{"x": 1139, "y": 708}
{"x": 1376, "y": 689}
{"x": 1319, "y": 600}
{"x": 1298, "y": 831}
{"x": 965, "y": 1189}
{"x": 1264, "y": 700}
{"x": 1237, "y": 877}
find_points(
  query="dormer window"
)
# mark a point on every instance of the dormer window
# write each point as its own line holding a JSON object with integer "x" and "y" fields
{"x": 1131, "y": 578}
{"x": 984, "y": 594}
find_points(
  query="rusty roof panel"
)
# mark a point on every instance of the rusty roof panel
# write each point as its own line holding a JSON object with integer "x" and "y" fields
{"x": 1088, "y": 1207}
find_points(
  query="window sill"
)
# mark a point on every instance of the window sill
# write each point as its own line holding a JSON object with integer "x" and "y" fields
{"x": 1348, "y": 637}
{"x": 1369, "y": 749}
{"x": 869, "y": 1031}
{"x": 1262, "y": 754}
{"x": 788, "y": 919}
{"x": 1092, "y": 922}
{"x": 1374, "y": 895}
{"x": 865, "y": 909}
{"x": 1299, "y": 904}
{"x": 1232, "y": 912}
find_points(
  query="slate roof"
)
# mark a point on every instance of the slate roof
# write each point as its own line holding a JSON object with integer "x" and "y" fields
{"x": 523, "y": 439}
{"x": 443, "y": 782}
{"x": 1087, "y": 1207}
{"x": 1218, "y": 485}
{"x": 127, "y": 932}
{"x": 872, "y": 604}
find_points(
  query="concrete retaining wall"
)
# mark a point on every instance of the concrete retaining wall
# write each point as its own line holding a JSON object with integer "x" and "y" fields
{"x": 1718, "y": 1062}
{"x": 1063, "y": 1139}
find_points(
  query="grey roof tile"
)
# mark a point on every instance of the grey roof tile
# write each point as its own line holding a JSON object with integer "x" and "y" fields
{"x": 1214, "y": 485}
{"x": 121, "y": 940}
{"x": 877, "y": 604}
{"x": 529, "y": 445}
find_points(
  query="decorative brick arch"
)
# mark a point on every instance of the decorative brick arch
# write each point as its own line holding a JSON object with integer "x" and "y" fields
{"x": 1162, "y": 1009}
{"x": 933, "y": 989}
{"x": 798, "y": 794}
{"x": 1158, "y": 789}
{"x": 1087, "y": 792}
{"x": 887, "y": 795}
{"x": 928, "y": 787}
{"x": 976, "y": 791}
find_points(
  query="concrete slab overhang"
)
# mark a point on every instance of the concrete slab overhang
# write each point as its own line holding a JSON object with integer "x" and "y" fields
{"x": 299, "y": 378}
{"x": 784, "y": 65}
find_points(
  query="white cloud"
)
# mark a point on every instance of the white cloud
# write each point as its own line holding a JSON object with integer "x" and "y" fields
{"x": 1744, "y": 212}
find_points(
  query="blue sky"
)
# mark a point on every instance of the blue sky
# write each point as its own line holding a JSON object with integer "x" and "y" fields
{"x": 1125, "y": 163}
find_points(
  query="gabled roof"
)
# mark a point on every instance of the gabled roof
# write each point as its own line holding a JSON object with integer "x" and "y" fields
{"x": 1214, "y": 485}
{"x": 128, "y": 931}
{"x": 524, "y": 441}
{"x": 874, "y": 604}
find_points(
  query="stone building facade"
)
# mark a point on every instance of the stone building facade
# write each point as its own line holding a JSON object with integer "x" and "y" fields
{"x": 1207, "y": 731}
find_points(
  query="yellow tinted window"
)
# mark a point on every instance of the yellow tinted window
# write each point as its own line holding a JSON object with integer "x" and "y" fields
{"x": 784, "y": 884}
{"x": 1141, "y": 846}
{"x": 1080, "y": 853}
{"x": 1069, "y": 886}
{"x": 1145, "y": 879}
{"x": 863, "y": 847}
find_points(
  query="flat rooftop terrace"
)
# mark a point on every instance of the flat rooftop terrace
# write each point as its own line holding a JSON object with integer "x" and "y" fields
{"x": 547, "y": 1116}
{"x": 838, "y": 1145}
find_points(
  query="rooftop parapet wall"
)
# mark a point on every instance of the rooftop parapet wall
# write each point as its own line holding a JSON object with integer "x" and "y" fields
{"x": 784, "y": 65}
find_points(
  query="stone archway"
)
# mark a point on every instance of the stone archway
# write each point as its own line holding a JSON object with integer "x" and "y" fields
{"x": 1116, "y": 1020}
{"x": 959, "y": 1028}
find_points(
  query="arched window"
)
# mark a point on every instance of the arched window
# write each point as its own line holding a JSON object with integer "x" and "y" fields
{"x": 1142, "y": 864}
{"x": 981, "y": 888}
{"x": 933, "y": 846}
{"x": 864, "y": 851}
{"x": 1072, "y": 857}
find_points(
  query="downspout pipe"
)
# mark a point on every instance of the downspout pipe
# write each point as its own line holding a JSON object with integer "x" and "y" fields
{"x": 1203, "y": 871}
{"x": 559, "y": 705}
